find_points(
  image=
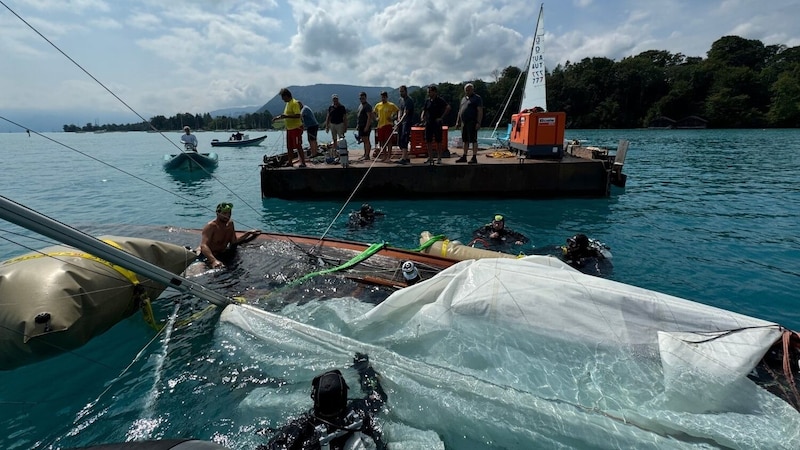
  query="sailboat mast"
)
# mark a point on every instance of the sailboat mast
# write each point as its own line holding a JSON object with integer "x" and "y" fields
{"x": 534, "y": 88}
{"x": 27, "y": 218}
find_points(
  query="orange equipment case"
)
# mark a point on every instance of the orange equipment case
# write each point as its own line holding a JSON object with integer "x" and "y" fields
{"x": 539, "y": 135}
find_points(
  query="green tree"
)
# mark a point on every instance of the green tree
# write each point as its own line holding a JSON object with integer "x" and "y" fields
{"x": 785, "y": 106}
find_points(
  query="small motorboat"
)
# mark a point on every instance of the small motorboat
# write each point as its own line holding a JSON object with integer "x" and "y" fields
{"x": 190, "y": 160}
{"x": 244, "y": 142}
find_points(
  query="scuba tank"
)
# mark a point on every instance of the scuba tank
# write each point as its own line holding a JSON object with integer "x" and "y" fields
{"x": 325, "y": 438}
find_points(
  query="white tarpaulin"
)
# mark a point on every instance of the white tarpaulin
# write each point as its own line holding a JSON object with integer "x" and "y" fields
{"x": 532, "y": 354}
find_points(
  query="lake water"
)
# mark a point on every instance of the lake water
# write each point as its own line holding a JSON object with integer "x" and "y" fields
{"x": 708, "y": 215}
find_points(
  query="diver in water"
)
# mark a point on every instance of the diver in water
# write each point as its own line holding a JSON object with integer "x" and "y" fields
{"x": 333, "y": 422}
{"x": 495, "y": 235}
{"x": 579, "y": 251}
{"x": 363, "y": 217}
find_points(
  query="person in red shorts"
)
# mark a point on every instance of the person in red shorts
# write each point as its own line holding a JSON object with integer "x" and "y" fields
{"x": 294, "y": 127}
{"x": 386, "y": 112}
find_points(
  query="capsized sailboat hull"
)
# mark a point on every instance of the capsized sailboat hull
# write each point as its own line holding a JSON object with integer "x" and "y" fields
{"x": 58, "y": 298}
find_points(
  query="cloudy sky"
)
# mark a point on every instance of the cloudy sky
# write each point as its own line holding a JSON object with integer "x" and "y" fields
{"x": 170, "y": 56}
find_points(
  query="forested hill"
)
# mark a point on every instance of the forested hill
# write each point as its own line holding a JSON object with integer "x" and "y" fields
{"x": 318, "y": 96}
{"x": 740, "y": 84}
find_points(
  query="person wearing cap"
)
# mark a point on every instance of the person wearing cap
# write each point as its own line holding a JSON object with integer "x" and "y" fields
{"x": 336, "y": 120}
{"x": 189, "y": 139}
{"x": 386, "y": 112}
{"x": 433, "y": 117}
{"x": 470, "y": 115}
{"x": 219, "y": 237}
{"x": 294, "y": 127}
{"x": 364, "y": 123}
{"x": 334, "y": 422}
{"x": 495, "y": 235}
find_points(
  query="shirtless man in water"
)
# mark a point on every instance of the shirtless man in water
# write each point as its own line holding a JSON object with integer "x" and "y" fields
{"x": 219, "y": 236}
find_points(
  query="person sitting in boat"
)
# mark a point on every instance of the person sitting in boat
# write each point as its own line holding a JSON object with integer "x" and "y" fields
{"x": 334, "y": 422}
{"x": 495, "y": 235}
{"x": 236, "y": 136}
{"x": 219, "y": 237}
{"x": 188, "y": 139}
{"x": 363, "y": 217}
{"x": 579, "y": 251}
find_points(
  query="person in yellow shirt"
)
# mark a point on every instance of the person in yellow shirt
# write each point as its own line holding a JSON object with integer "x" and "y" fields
{"x": 386, "y": 112}
{"x": 294, "y": 127}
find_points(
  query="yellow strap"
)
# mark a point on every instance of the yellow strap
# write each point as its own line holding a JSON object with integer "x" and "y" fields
{"x": 203, "y": 312}
{"x": 76, "y": 254}
{"x": 148, "y": 315}
{"x": 195, "y": 316}
{"x": 444, "y": 247}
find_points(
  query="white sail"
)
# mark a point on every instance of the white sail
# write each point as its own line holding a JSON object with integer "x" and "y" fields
{"x": 535, "y": 93}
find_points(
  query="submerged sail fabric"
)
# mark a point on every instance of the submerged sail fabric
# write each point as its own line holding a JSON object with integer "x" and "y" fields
{"x": 75, "y": 296}
{"x": 531, "y": 353}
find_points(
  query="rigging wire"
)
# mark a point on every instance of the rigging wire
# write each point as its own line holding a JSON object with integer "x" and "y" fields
{"x": 239, "y": 198}
{"x": 360, "y": 182}
{"x": 111, "y": 165}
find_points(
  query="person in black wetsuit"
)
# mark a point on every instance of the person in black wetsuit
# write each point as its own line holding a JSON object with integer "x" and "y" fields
{"x": 495, "y": 235}
{"x": 363, "y": 217}
{"x": 577, "y": 253}
{"x": 335, "y": 422}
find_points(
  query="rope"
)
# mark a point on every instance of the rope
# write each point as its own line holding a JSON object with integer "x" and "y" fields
{"x": 180, "y": 149}
{"x": 358, "y": 186}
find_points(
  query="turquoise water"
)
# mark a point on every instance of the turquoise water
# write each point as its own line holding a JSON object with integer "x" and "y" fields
{"x": 708, "y": 215}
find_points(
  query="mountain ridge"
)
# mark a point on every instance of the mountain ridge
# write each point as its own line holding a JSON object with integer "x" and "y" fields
{"x": 318, "y": 96}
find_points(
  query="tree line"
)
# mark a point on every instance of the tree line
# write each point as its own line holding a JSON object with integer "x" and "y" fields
{"x": 742, "y": 83}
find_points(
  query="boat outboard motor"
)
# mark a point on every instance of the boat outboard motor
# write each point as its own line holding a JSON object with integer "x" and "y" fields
{"x": 410, "y": 273}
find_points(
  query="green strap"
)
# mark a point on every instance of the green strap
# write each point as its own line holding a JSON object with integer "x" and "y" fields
{"x": 371, "y": 250}
{"x": 431, "y": 241}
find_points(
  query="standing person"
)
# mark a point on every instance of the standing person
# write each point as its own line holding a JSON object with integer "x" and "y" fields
{"x": 219, "y": 237}
{"x": 294, "y": 127}
{"x": 406, "y": 119}
{"x": 336, "y": 120}
{"x": 364, "y": 124}
{"x": 335, "y": 422}
{"x": 189, "y": 139}
{"x": 386, "y": 112}
{"x": 433, "y": 117}
{"x": 311, "y": 125}
{"x": 470, "y": 116}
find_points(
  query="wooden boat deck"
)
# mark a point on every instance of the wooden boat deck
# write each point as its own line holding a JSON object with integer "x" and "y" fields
{"x": 582, "y": 172}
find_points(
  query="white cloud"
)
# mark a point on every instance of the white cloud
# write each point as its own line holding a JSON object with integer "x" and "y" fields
{"x": 199, "y": 55}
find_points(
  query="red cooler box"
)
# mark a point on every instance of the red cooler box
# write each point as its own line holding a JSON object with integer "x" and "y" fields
{"x": 417, "y": 144}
